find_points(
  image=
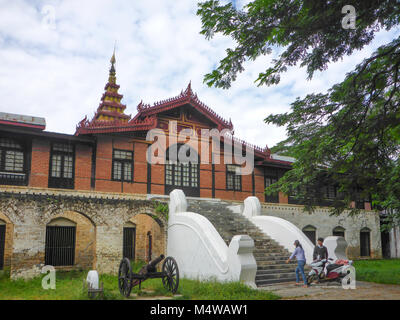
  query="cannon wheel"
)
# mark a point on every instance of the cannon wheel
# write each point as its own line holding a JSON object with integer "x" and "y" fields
{"x": 124, "y": 277}
{"x": 171, "y": 271}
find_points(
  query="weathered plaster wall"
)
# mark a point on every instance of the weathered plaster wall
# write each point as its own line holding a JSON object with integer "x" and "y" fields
{"x": 99, "y": 220}
{"x": 324, "y": 223}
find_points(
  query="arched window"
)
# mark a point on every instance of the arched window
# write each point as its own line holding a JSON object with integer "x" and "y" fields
{"x": 338, "y": 231}
{"x": 311, "y": 233}
{"x": 2, "y": 242}
{"x": 182, "y": 170}
{"x": 365, "y": 242}
{"x": 60, "y": 242}
{"x": 129, "y": 240}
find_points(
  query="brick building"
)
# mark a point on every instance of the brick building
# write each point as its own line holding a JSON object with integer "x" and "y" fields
{"x": 107, "y": 155}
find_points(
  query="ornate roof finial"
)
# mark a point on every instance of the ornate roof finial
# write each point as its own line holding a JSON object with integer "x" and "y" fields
{"x": 112, "y": 60}
{"x": 188, "y": 90}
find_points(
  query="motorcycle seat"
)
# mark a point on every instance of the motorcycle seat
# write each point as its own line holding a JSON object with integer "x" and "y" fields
{"x": 332, "y": 267}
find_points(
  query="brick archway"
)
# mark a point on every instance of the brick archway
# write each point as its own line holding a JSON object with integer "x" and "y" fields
{"x": 149, "y": 221}
{"x": 85, "y": 241}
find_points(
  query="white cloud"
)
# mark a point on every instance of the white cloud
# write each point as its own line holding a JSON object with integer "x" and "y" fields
{"x": 60, "y": 73}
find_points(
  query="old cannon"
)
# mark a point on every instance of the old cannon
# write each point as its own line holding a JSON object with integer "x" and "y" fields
{"x": 169, "y": 274}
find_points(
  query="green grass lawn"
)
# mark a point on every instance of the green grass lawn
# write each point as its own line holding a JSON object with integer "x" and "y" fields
{"x": 69, "y": 287}
{"x": 380, "y": 271}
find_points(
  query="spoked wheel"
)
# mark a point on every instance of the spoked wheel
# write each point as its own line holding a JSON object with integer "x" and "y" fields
{"x": 171, "y": 271}
{"x": 311, "y": 278}
{"x": 124, "y": 277}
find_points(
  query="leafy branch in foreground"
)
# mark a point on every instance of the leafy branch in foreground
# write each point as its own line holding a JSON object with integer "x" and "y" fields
{"x": 350, "y": 134}
{"x": 309, "y": 32}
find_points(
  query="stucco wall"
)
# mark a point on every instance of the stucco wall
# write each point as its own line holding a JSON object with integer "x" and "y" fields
{"x": 324, "y": 223}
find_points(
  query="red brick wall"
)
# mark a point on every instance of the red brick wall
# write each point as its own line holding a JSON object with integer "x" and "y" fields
{"x": 39, "y": 176}
{"x": 104, "y": 183}
{"x": 105, "y": 146}
{"x": 83, "y": 167}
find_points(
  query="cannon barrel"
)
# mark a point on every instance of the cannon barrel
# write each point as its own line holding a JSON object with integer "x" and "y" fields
{"x": 152, "y": 264}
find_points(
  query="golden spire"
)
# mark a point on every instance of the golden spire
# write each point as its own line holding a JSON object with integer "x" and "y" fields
{"x": 112, "y": 77}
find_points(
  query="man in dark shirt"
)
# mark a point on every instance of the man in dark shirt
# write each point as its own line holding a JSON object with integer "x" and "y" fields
{"x": 320, "y": 251}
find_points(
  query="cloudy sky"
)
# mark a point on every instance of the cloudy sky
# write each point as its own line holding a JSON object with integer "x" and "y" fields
{"x": 54, "y": 62}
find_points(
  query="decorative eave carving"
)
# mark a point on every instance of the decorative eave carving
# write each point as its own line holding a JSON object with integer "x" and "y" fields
{"x": 185, "y": 97}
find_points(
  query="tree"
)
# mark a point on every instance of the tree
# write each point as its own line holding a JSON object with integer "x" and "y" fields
{"x": 349, "y": 135}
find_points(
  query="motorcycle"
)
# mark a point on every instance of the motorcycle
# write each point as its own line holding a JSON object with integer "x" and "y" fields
{"x": 334, "y": 271}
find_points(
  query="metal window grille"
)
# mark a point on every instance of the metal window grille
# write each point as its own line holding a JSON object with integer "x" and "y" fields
{"x": 365, "y": 243}
{"x": 122, "y": 165}
{"x": 233, "y": 179}
{"x": 272, "y": 197}
{"x": 311, "y": 233}
{"x": 12, "y": 162}
{"x": 61, "y": 166}
{"x": 150, "y": 244}
{"x": 184, "y": 175}
{"x": 2, "y": 245}
{"x": 60, "y": 246}
{"x": 338, "y": 233}
{"x": 129, "y": 241}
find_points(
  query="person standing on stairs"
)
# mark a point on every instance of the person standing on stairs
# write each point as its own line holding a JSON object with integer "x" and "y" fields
{"x": 301, "y": 261}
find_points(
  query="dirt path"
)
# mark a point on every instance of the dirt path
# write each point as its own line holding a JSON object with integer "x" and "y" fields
{"x": 363, "y": 291}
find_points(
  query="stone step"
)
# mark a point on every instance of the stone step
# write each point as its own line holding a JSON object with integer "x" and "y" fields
{"x": 270, "y": 255}
{"x": 271, "y": 258}
{"x": 264, "y": 265}
{"x": 279, "y": 260}
{"x": 262, "y": 283}
{"x": 263, "y": 253}
{"x": 277, "y": 275}
{"x": 273, "y": 271}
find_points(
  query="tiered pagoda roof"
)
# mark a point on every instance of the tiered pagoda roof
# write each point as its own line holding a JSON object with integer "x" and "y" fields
{"x": 110, "y": 116}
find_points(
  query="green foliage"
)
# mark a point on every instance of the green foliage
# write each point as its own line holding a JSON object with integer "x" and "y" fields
{"x": 380, "y": 271}
{"x": 347, "y": 135}
{"x": 163, "y": 209}
{"x": 350, "y": 135}
{"x": 69, "y": 286}
{"x": 309, "y": 32}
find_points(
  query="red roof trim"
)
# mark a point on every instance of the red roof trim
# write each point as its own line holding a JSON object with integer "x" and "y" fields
{"x": 101, "y": 126}
{"x": 111, "y": 85}
{"x": 20, "y": 124}
{"x": 185, "y": 97}
{"x": 112, "y": 95}
{"x": 113, "y": 114}
{"x": 111, "y": 104}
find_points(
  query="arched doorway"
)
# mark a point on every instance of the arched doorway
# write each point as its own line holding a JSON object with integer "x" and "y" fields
{"x": 338, "y": 231}
{"x": 365, "y": 242}
{"x": 129, "y": 241}
{"x": 150, "y": 236}
{"x": 2, "y": 242}
{"x": 60, "y": 242}
{"x": 70, "y": 240}
{"x": 182, "y": 170}
{"x": 311, "y": 233}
